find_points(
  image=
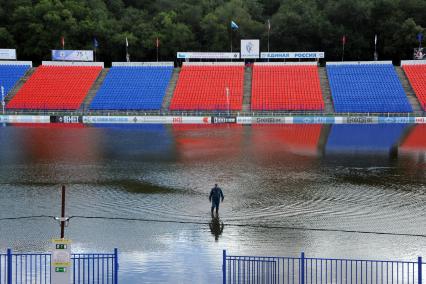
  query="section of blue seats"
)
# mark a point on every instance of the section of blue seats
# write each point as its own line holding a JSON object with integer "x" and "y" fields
{"x": 133, "y": 88}
{"x": 10, "y": 74}
{"x": 367, "y": 88}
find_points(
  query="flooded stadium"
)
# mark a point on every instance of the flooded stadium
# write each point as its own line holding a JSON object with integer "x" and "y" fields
{"x": 353, "y": 191}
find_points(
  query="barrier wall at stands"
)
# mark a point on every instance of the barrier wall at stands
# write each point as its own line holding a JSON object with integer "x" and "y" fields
{"x": 202, "y": 86}
{"x": 209, "y": 120}
{"x": 133, "y": 86}
{"x": 366, "y": 87}
{"x": 286, "y": 86}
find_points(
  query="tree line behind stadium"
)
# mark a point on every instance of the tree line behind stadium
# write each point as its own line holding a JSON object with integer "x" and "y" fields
{"x": 36, "y": 27}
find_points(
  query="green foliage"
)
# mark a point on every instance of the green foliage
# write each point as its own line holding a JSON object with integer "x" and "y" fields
{"x": 35, "y": 27}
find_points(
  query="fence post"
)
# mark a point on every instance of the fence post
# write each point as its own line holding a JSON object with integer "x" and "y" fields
{"x": 419, "y": 269}
{"x": 224, "y": 267}
{"x": 302, "y": 268}
{"x": 9, "y": 266}
{"x": 115, "y": 266}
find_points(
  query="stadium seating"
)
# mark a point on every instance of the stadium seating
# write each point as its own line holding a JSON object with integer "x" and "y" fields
{"x": 10, "y": 74}
{"x": 364, "y": 88}
{"x": 133, "y": 88}
{"x": 417, "y": 76}
{"x": 203, "y": 87}
{"x": 55, "y": 88}
{"x": 286, "y": 87}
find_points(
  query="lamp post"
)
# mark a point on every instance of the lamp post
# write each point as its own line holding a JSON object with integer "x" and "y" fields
{"x": 2, "y": 99}
{"x": 227, "y": 99}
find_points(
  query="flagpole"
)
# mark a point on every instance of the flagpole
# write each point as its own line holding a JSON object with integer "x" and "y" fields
{"x": 269, "y": 29}
{"x": 343, "y": 47}
{"x": 157, "y": 44}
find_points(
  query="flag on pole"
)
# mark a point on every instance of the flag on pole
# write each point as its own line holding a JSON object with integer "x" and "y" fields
{"x": 234, "y": 26}
{"x": 63, "y": 42}
{"x": 127, "y": 42}
{"x": 157, "y": 43}
{"x": 95, "y": 43}
{"x": 269, "y": 25}
{"x": 344, "y": 40}
{"x": 375, "y": 39}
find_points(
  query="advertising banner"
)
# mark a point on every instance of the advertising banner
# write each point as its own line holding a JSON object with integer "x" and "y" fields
{"x": 8, "y": 54}
{"x": 250, "y": 48}
{"x": 72, "y": 55}
{"x": 223, "y": 119}
{"x": 292, "y": 55}
{"x": 66, "y": 119}
{"x": 208, "y": 55}
{"x": 420, "y": 120}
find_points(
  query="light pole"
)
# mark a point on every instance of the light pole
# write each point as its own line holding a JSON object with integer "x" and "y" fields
{"x": 2, "y": 99}
{"x": 227, "y": 99}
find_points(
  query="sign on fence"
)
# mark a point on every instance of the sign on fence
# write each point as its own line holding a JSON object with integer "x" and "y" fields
{"x": 7, "y": 54}
{"x": 292, "y": 55}
{"x": 60, "y": 269}
{"x": 249, "y": 48}
{"x": 72, "y": 55}
{"x": 208, "y": 55}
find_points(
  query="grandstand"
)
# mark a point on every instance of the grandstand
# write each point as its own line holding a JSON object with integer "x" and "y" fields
{"x": 11, "y": 72}
{"x": 133, "y": 86}
{"x": 286, "y": 86}
{"x": 416, "y": 74}
{"x": 366, "y": 87}
{"x": 202, "y": 86}
{"x": 56, "y": 86}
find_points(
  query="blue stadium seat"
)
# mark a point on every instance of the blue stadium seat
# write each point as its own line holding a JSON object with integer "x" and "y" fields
{"x": 133, "y": 88}
{"x": 10, "y": 74}
{"x": 367, "y": 88}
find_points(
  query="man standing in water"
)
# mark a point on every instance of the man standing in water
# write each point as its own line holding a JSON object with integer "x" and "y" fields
{"x": 215, "y": 195}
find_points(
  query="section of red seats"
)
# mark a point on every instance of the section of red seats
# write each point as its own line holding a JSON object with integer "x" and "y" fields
{"x": 417, "y": 76}
{"x": 55, "y": 88}
{"x": 204, "y": 88}
{"x": 288, "y": 87}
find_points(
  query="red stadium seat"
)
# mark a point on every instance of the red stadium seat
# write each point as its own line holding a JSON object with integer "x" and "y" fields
{"x": 286, "y": 87}
{"x": 417, "y": 76}
{"x": 204, "y": 88}
{"x": 55, "y": 88}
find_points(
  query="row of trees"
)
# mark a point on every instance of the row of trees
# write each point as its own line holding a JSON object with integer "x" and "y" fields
{"x": 35, "y": 27}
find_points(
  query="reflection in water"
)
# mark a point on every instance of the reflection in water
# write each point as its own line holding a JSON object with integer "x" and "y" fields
{"x": 364, "y": 139}
{"x": 415, "y": 143}
{"x": 273, "y": 176}
{"x": 216, "y": 227}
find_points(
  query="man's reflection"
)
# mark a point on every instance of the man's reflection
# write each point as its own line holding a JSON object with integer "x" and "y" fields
{"x": 216, "y": 227}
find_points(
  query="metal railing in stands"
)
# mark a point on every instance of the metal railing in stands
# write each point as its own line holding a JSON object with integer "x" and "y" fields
{"x": 303, "y": 270}
{"x": 204, "y": 113}
{"x": 34, "y": 268}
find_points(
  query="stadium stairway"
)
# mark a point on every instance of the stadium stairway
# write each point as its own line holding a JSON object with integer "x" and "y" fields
{"x": 325, "y": 88}
{"x": 19, "y": 84}
{"x": 248, "y": 74}
{"x": 94, "y": 90}
{"x": 415, "y": 104}
{"x": 170, "y": 90}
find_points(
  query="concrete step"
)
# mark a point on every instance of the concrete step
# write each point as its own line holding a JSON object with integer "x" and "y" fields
{"x": 94, "y": 90}
{"x": 412, "y": 98}
{"x": 247, "y": 89}
{"x": 326, "y": 92}
{"x": 170, "y": 90}
{"x": 19, "y": 85}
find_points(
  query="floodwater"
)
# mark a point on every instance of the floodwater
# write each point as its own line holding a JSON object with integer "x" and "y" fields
{"x": 327, "y": 190}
